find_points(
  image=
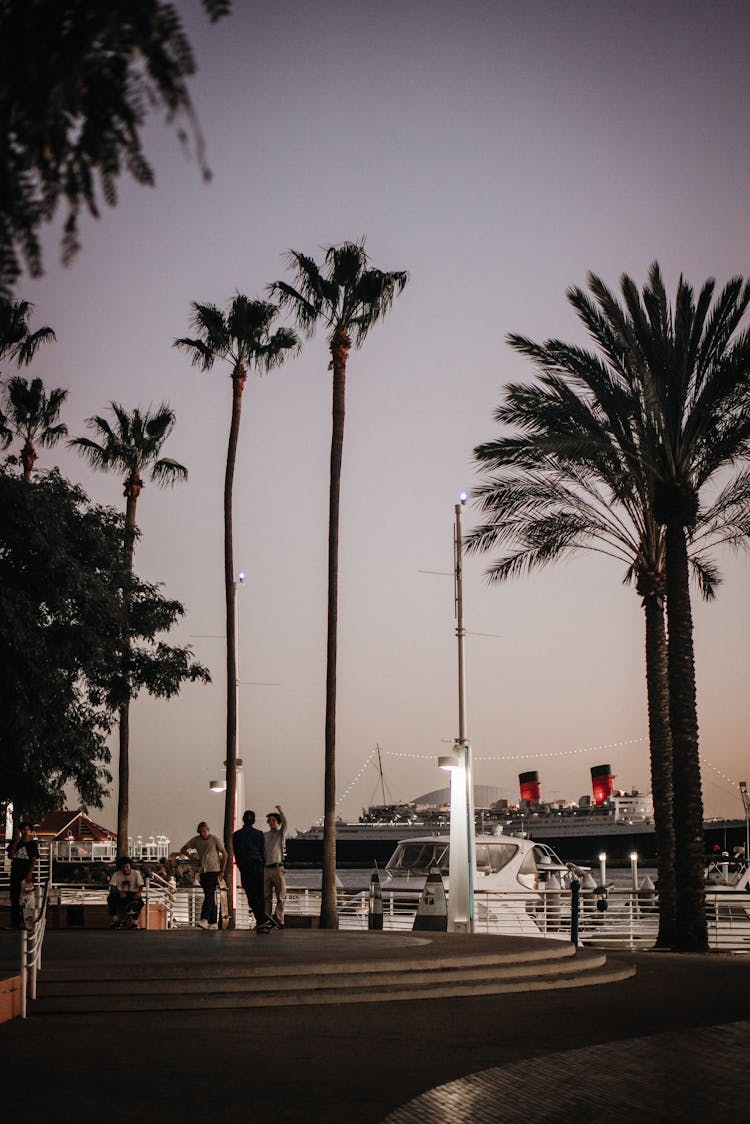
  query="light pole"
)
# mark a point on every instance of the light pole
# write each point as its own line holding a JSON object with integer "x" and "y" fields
{"x": 603, "y": 867}
{"x": 746, "y": 805}
{"x": 634, "y": 868}
{"x": 462, "y": 856}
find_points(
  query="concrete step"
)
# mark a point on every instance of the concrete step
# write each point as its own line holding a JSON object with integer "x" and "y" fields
{"x": 314, "y": 984}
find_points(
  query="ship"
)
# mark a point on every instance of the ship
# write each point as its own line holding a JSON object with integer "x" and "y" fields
{"x": 608, "y": 821}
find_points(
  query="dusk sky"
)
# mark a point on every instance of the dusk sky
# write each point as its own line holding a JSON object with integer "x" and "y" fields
{"x": 497, "y": 151}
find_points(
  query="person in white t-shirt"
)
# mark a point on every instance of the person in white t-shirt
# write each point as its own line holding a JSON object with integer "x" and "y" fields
{"x": 125, "y": 900}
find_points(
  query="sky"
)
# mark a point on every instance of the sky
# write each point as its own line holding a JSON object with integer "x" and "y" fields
{"x": 498, "y": 151}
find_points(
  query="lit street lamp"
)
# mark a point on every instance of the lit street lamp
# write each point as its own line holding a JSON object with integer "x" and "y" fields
{"x": 462, "y": 855}
{"x": 746, "y": 805}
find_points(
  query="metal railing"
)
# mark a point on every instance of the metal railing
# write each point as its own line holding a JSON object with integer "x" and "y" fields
{"x": 32, "y": 941}
{"x": 630, "y": 920}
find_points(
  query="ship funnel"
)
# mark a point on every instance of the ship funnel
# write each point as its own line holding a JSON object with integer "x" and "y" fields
{"x": 602, "y": 783}
{"x": 529, "y": 784}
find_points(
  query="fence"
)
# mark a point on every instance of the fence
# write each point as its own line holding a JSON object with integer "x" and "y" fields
{"x": 630, "y": 920}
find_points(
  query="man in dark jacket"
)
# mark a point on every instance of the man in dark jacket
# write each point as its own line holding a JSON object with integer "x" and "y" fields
{"x": 249, "y": 848}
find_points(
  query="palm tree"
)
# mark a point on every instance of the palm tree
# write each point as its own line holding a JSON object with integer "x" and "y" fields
{"x": 347, "y": 296}
{"x": 31, "y": 414}
{"x": 546, "y": 497}
{"x": 594, "y": 450}
{"x": 131, "y": 445}
{"x": 690, "y": 367}
{"x": 17, "y": 341}
{"x": 242, "y": 337}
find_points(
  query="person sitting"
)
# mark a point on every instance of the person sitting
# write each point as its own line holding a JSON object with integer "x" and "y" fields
{"x": 125, "y": 900}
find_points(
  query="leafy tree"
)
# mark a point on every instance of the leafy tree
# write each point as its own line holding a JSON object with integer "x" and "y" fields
{"x": 61, "y": 653}
{"x": 241, "y": 337}
{"x": 347, "y": 296}
{"x": 17, "y": 341}
{"x": 133, "y": 446}
{"x": 31, "y": 414}
{"x": 580, "y": 474}
{"x": 77, "y": 80}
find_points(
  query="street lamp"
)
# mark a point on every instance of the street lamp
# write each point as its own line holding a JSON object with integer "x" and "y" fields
{"x": 634, "y": 868}
{"x": 746, "y": 805}
{"x": 603, "y": 867}
{"x": 462, "y": 855}
{"x": 239, "y": 802}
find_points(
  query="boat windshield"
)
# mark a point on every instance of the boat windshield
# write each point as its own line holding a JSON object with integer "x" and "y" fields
{"x": 492, "y": 857}
{"x": 419, "y": 858}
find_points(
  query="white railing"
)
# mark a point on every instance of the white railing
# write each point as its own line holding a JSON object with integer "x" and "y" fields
{"x": 32, "y": 941}
{"x": 85, "y": 850}
{"x": 41, "y": 873}
{"x": 630, "y": 921}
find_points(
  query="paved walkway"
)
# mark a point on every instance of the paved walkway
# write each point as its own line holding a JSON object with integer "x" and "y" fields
{"x": 666, "y": 1045}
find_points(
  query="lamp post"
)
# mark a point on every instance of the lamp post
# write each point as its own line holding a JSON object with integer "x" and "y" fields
{"x": 462, "y": 857}
{"x": 634, "y": 868}
{"x": 746, "y": 805}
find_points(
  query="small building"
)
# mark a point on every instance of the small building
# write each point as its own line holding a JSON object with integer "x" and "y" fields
{"x": 74, "y": 837}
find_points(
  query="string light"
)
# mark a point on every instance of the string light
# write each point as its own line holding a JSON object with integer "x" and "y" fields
{"x": 563, "y": 752}
{"x": 724, "y": 777}
{"x": 526, "y": 756}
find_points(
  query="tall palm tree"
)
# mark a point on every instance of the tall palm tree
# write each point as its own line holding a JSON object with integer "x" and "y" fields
{"x": 689, "y": 364}
{"x": 131, "y": 445}
{"x": 347, "y": 295}
{"x": 243, "y": 338}
{"x": 606, "y": 415}
{"x": 17, "y": 341}
{"x": 31, "y": 414}
{"x": 544, "y": 496}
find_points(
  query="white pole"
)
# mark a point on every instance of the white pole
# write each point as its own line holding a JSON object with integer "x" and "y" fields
{"x": 239, "y": 786}
{"x": 462, "y": 860}
{"x": 746, "y": 804}
{"x": 603, "y": 867}
{"x": 634, "y": 868}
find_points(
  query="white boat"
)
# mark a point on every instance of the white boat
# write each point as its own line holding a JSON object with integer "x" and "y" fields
{"x": 509, "y": 883}
{"x": 522, "y": 888}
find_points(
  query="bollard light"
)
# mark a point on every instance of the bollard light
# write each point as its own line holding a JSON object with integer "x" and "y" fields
{"x": 634, "y": 868}
{"x": 602, "y": 867}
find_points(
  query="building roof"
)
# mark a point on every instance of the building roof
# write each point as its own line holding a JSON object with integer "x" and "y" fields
{"x": 72, "y": 825}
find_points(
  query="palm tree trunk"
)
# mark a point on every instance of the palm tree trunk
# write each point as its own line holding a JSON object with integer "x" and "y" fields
{"x": 691, "y": 928}
{"x": 28, "y": 460}
{"x": 238, "y": 385}
{"x": 328, "y": 908}
{"x": 660, "y": 744}
{"x": 132, "y": 489}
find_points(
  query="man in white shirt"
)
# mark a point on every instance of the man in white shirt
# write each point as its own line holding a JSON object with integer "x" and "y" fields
{"x": 274, "y": 875}
{"x": 125, "y": 900}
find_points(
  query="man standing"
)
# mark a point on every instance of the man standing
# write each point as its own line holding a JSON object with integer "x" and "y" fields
{"x": 250, "y": 855}
{"x": 23, "y": 852}
{"x": 125, "y": 901}
{"x": 212, "y": 863}
{"x": 274, "y": 875}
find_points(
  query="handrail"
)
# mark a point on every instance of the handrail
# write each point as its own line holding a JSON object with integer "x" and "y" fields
{"x": 165, "y": 891}
{"x": 32, "y": 940}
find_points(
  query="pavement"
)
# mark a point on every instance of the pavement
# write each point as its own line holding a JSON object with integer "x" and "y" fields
{"x": 672, "y": 1043}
